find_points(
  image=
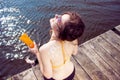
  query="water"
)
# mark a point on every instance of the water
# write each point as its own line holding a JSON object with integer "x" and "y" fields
{"x": 32, "y": 16}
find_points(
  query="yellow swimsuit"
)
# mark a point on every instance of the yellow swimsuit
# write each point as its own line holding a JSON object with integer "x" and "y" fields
{"x": 66, "y": 58}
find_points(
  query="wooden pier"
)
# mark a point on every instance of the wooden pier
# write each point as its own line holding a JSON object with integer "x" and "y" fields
{"x": 97, "y": 59}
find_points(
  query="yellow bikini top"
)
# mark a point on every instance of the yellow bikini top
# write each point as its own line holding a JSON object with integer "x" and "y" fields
{"x": 66, "y": 57}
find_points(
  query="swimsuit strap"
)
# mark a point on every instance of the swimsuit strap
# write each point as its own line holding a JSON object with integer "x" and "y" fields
{"x": 65, "y": 57}
{"x": 63, "y": 51}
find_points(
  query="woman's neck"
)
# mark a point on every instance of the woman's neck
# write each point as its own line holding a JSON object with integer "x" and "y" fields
{"x": 53, "y": 36}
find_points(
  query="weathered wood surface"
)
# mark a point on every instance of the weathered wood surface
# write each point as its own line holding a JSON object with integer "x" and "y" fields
{"x": 30, "y": 74}
{"x": 97, "y": 59}
{"x": 118, "y": 27}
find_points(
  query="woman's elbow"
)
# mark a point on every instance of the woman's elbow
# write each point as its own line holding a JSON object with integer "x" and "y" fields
{"x": 48, "y": 75}
{"x": 75, "y": 50}
{"x": 74, "y": 53}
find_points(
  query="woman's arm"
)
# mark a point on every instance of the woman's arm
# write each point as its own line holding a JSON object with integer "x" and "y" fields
{"x": 47, "y": 67}
{"x": 40, "y": 61}
{"x": 75, "y": 44}
{"x": 75, "y": 50}
{"x": 37, "y": 53}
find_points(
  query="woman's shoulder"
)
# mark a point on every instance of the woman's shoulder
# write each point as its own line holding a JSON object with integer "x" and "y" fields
{"x": 75, "y": 42}
{"x": 72, "y": 43}
{"x": 47, "y": 45}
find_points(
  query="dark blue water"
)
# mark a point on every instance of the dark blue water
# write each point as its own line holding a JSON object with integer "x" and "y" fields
{"x": 32, "y": 16}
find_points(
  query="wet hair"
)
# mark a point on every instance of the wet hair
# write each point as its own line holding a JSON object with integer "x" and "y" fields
{"x": 71, "y": 29}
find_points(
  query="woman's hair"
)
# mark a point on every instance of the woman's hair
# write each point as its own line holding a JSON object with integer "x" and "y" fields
{"x": 72, "y": 29}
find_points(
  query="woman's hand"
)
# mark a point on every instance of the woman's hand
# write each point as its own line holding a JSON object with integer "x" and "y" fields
{"x": 34, "y": 50}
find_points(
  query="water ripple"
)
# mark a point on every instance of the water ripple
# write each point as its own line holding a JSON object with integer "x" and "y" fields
{"x": 12, "y": 23}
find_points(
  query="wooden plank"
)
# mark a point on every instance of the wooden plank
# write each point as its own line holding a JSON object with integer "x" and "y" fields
{"x": 114, "y": 53}
{"x": 75, "y": 77}
{"x": 104, "y": 67}
{"x": 37, "y": 72}
{"x": 112, "y": 38}
{"x": 93, "y": 71}
{"x": 95, "y": 45}
{"x": 80, "y": 73}
{"x": 118, "y": 27}
{"x": 28, "y": 74}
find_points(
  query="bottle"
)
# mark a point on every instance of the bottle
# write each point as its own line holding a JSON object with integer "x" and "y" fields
{"x": 26, "y": 39}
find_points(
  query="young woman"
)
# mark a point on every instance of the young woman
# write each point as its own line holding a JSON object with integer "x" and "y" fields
{"x": 54, "y": 56}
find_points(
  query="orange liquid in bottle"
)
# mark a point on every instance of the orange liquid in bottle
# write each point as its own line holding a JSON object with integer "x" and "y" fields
{"x": 26, "y": 39}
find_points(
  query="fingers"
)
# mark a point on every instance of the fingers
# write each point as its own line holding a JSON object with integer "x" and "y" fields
{"x": 34, "y": 50}
{"x": 34, "y": 42}
{"x": 29, "y": 49}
